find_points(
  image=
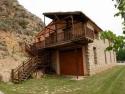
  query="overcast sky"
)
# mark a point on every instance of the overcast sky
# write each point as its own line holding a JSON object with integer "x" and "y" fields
{"x": 100, "y": 11}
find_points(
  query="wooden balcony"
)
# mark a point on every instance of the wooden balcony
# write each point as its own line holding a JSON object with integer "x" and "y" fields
{"x": 63, "y": 38}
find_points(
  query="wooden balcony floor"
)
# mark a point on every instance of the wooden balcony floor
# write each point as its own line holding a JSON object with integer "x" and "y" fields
{"x": 78, "y": 41}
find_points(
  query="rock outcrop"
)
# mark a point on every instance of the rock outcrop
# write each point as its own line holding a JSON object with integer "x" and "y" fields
{"x": 16, "y": 26}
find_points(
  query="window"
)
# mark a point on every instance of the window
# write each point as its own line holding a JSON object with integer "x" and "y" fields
{"x": 68, "y": 26}
{"x": 114, "y": 56}
{"x": 67, "y": 30}
{"x": 96, "y": 35}
{"x": 105, "y": 57}
{"x": 110, "y": 57}
{"x": 95, "y": 55}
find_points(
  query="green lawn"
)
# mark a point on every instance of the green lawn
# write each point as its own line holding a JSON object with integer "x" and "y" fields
{"x": 111, "y": 81}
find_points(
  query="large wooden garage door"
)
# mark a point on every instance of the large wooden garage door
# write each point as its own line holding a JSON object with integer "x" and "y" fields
{"x": 71, "y": 62}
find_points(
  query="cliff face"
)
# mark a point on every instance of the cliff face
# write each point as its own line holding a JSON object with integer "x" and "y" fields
{"x": 15, "y": 18}
{"x": 16, "y": 26}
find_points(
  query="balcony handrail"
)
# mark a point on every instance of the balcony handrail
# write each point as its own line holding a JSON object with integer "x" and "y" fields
{"x": 63, "y": 36}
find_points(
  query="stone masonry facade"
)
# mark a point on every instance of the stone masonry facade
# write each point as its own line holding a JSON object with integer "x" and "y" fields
{"x": 94, "y": 62}
{"x": 98, "y": 58}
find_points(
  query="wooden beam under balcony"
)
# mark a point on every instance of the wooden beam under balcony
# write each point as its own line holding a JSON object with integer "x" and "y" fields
{"x": 78, "y": 41}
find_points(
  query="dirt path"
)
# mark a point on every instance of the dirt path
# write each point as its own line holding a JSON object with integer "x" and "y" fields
{"x": 120, "y": 63}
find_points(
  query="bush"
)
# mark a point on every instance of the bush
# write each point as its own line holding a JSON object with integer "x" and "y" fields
{"x": 23, "y": 23}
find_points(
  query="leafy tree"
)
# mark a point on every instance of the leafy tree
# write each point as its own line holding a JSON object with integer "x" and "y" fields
{"x": 121, "y": 54}
{"x": 120, "y": 5}
{"x": 116, "y": 43}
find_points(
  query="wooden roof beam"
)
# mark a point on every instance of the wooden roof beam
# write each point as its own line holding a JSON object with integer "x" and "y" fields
{"x": 57, "y": 17}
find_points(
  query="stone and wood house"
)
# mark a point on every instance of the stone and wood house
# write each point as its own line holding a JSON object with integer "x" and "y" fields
{"x": 69, "y": 45}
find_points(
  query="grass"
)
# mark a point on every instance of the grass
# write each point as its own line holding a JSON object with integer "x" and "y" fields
{"x": 111, "y": 81}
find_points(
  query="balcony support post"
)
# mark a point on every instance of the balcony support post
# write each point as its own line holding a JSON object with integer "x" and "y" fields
{"x": 72, "y": 25}
{"x": 56, "y": 31}
{"x": 93, "y": 34}
{"x": 44, "y": 21}
{"x": 85, "y": 29}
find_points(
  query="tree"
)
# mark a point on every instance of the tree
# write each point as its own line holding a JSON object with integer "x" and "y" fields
{"x": 116, "y": 43}
{"x": 120, "y": 5}
{"x": 121, "y": 54}
{"x": 119, "y": 41}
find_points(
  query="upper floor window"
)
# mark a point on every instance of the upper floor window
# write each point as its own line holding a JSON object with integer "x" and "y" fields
{"x": 95, "y": 55}
{"x": 68, "y": 26}
{"x": 90, "y": 26}
{"x": 105, "y": 56}
{"x": 110, "y": 56}
{"x": 96, "y": 35}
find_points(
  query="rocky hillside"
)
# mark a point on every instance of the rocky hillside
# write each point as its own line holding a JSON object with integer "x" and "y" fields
{"x": 16, "y": 26}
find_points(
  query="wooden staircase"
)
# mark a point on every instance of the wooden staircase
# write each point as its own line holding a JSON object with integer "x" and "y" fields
{"x": 31, "y": 49}
{"x": 23, "y": 71}
{"x": 39, "y": 60}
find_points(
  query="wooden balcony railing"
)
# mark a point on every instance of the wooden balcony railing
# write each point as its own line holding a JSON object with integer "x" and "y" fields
{"x": 40, "y": 44}
{"x": 66, "y": 36}
{"x": 23, "y": 71}
{"x": 89, "y": 33}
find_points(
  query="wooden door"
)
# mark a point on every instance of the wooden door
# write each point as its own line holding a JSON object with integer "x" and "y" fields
{"x": 71, "y": 62}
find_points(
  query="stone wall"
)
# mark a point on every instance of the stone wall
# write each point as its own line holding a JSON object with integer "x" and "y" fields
{"x": 104, "y": 60}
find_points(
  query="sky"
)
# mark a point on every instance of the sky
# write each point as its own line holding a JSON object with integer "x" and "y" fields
{"x": 100, "y": 11}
